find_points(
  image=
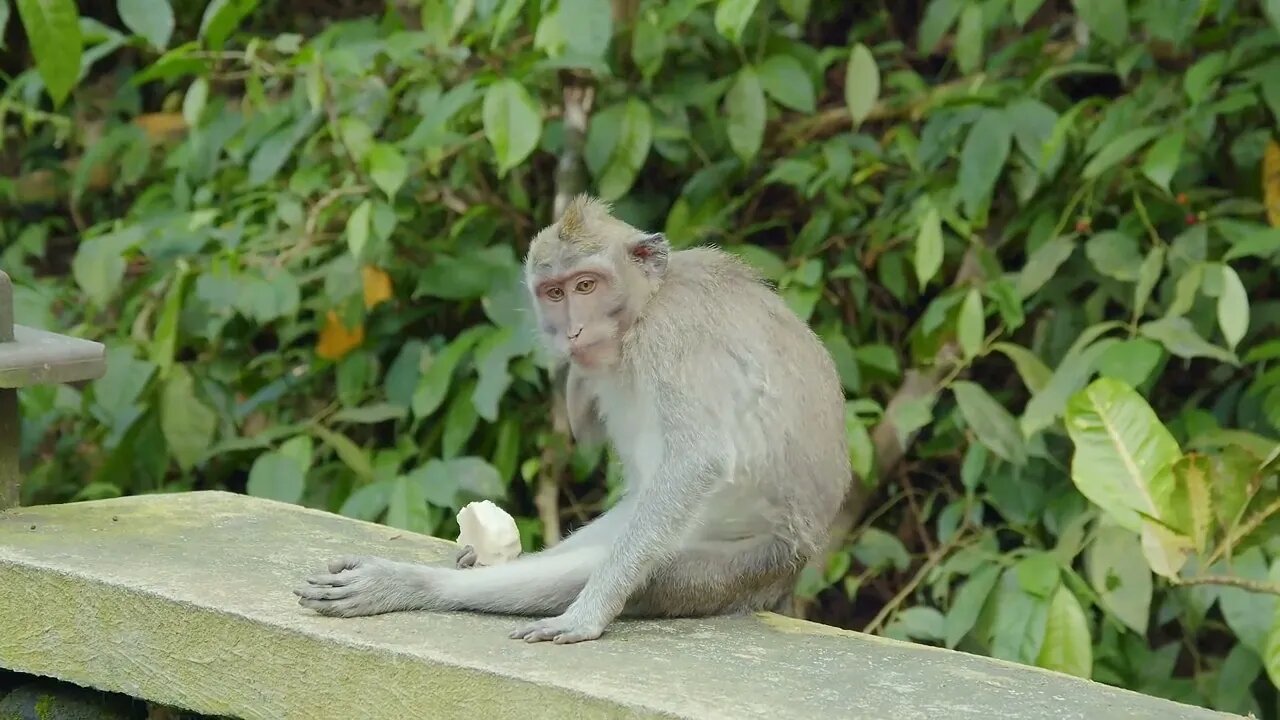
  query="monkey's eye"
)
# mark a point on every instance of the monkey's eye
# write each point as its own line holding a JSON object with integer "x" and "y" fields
{"x": 585, "y": 286}
{"x": 555, "y": 293}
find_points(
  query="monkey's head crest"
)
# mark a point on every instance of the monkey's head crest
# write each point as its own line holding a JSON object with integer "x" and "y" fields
{"x": 586, "y": 228}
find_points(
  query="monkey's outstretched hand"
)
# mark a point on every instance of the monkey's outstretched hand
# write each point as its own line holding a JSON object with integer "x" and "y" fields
{"x": 355, "y": 586}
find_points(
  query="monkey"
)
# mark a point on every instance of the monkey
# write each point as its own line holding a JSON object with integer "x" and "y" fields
{"x": 724, "y": 409}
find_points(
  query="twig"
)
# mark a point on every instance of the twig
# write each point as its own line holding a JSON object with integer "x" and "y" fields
{"x": 929, "y": 563}
{"x": 1257, "y": 586}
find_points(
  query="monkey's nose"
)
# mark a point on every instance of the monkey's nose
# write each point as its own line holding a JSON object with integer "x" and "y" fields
{"x": 574, "y": 333}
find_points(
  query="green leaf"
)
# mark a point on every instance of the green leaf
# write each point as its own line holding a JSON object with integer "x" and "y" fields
{"x": 878, "y": 550}
{"x": 99, "y": 264}
{"x": 1233, "y": 307}
{"x": 187, "y": 423}
{"x": 969, "y": 39}
{"x": 1118, "y": 572}
{"x": 281, "y": 475}
{"x": 1179, "y": 337}
{"x": 4, "y": 21}
{"x": 732, "y": 17}
{"x": 1232, "y": 693}
{"x": 1130, "y": 361}
{"x": 1123, "y": 453}
{"x": 152, "y": 19}
{"x": 1024, "y": 9}
{"x": 357, "y": 230}
{"x": 937, "y": 20}
{"x": 1271, "y": 650}
{"x": 990, "y": 421}
{"x": 476, "y": 477}
{"x": 1071, "y": 374}
{"x": 435, "y": 380}
{"x": 861, "y": 83}
{"x": 648, "y": 45}
{"x": 459, "y": 423}
{"x": 971, "y": 324}
{"x": 928, "y": 251}
{"x": 220, "y": 18}
{"x": 1250, "y": 615}
{"x": 784, "y": 79}
{"x": 1161, "y": 161}
{"x": 587, "y": 26}
{"x": 1038, "y": 574}
{"x": 407, "y": 507}
{"x": 983, "y": 157}
{"x": 968, "y": 603}
{"x": 1119, "y": 149}
{"x": 1034, "y": 373}
{"x": 352, "y": 455}
{"x": 1114, "y": 254}
{"x": 1200, "y": 80}
{"x": 370, "y": 414}
{"x": 1148, "y": 275}
{"x": 1043, "y": 265}
{"x": 1271, "y": 8}
{"x": 745, "y": 106}
{"x": 1067, "y": 646}
{"x": 387, "y": 168}
{"x": 53, "y": 32}
{"x": 797, "y": 10}
{"x": 635, "y": 135}
{"x": 512, "y": 123}
{"x": 1020, "y": 620}
{"x": 1188, "y": 508}
{"x": 1106, "y": 18}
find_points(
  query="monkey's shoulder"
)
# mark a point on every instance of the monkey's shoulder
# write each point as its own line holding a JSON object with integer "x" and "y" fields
{"x": 708, "y": 267}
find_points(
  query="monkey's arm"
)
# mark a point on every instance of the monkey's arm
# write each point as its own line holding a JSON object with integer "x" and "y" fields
{"x": 665, "y": 508}
{"x": 600, "y": 531}
{"x": 584, "y": 414}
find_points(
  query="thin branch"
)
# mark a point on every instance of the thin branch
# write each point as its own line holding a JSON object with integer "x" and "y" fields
{"x": 1257, "y": 586}
{"x": 929, "y": 564}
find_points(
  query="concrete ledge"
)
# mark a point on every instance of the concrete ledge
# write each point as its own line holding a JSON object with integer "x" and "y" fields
{"x": 185, "y": 600}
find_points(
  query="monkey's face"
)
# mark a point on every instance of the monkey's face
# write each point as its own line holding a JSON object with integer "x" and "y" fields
{"x": 583, "y": 313}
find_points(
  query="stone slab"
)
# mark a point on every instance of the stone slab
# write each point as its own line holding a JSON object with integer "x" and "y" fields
{"x": 39, "y": 357}
{"x": 184, "y": 599}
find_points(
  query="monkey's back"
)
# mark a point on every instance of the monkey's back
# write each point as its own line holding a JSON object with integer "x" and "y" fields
{"x": 774, "y": 392}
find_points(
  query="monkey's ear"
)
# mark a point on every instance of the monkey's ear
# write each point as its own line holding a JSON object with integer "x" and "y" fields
{"x": 651, "y": 252}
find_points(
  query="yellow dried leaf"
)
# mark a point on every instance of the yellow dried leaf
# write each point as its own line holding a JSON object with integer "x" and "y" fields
{"x": 1271, "y": 182}
{"x": 336, "y": 340}
{"x": 377, "y": 286}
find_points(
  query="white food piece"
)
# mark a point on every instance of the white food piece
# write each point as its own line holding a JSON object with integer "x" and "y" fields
{"x": 490, "y": 530}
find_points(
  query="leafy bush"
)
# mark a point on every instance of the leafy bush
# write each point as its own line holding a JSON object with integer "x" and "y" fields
{"x": 1040, "y": 239}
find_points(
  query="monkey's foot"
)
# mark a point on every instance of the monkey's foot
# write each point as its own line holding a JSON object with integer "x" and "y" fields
{"x": 466, "y": 557}
{"x": 355, "y": 586}
{"x": 561, "y": 630}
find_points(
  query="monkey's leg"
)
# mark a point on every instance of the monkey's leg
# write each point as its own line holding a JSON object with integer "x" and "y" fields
{"x": 536, "y": 584}
{"x": 719, "y": 577}
{"x": 664, "y": 511}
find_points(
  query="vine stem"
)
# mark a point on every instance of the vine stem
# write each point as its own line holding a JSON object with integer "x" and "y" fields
{"x": 931, "y": 562}
{"x": 1257, "y": 586}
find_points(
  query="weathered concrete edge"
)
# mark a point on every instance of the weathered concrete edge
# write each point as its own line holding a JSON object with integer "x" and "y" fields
{"x": 186, "y": 667}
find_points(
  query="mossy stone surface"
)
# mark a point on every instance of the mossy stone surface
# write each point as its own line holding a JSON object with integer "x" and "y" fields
{"x": 184, "y": 599}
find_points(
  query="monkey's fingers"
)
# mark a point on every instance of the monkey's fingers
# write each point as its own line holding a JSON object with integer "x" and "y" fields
{"x": 466, "y": 557}
{"x": 344, "y": 563}
{"x": 312, "y": 592}
{"x": 330, "y": 579}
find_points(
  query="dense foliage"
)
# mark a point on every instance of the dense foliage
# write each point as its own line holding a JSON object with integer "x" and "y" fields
{"x": 1045, "y": 233}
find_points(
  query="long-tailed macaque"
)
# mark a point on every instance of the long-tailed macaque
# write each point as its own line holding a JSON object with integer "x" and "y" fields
{"x": 724, "y": 409}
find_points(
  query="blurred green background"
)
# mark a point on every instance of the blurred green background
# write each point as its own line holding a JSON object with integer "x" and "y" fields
{"x": 1040, "y": 238}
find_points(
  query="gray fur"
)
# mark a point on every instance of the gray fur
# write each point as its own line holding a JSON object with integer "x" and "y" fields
{"x": 727, "y": 415}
